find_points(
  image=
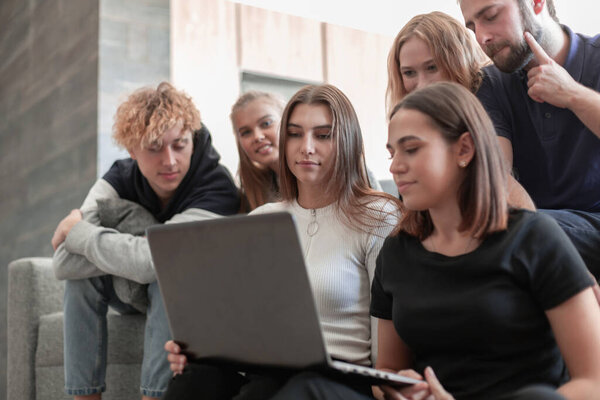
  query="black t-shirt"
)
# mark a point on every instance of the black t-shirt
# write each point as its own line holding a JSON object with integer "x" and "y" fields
{"x": 478, "y": 319}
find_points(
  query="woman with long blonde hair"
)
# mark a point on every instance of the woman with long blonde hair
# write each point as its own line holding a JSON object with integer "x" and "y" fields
{"x": 255, "y": 120}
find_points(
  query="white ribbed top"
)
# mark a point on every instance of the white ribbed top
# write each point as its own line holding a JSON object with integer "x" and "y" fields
{"x": 341, "y": 264}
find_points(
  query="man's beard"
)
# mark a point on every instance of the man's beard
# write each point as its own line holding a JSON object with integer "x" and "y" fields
{"x": 518, "y": 57}
{"x": 519, "y": 53}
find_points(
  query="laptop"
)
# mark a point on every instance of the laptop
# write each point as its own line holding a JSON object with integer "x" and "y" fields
{"x": 236, "y": 292}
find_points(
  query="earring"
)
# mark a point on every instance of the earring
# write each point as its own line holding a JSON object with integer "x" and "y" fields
{"x": 462, "y": 164}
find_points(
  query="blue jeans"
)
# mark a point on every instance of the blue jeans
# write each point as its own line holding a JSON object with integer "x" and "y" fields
{"x": 85, "y": 337}
{"x": 583, "y": 228}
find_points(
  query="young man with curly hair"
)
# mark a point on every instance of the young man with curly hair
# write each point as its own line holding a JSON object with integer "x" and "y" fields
{"x": 173, "y": 175}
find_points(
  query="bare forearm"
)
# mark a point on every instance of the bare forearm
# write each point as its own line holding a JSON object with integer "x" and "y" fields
{"x": 518, "y": 196}
{"x": 585, "y": 103}
{"x": 580, "y": 389}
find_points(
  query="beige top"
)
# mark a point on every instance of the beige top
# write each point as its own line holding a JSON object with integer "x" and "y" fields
{"x": 341, "y": 265}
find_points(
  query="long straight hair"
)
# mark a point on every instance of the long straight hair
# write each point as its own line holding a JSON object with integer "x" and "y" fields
{"x": 482, "y": 196}
{"x": 454, "y": 50}
{"x": 258, "y": 184}
{"x": 348, "y": 182}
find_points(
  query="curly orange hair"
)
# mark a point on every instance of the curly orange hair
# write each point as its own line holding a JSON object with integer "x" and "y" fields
{"x": 147, "y": 113}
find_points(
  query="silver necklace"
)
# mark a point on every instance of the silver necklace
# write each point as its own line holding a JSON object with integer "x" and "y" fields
{"x": 313, "y": 225}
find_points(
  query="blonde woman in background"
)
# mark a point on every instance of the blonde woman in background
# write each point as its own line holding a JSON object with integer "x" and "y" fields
{"x": 255, "y": 118}
{"x": 431, "y": 48}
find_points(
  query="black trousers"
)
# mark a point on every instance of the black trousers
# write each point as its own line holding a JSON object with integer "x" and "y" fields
{"x": 311, "y": 386}
{"x": 210, "y": 382}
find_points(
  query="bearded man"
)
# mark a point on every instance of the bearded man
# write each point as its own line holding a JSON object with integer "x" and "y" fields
{"x": 542, "y": 95}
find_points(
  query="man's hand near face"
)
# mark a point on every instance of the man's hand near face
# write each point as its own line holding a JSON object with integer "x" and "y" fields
{"x": 551, "y": 83}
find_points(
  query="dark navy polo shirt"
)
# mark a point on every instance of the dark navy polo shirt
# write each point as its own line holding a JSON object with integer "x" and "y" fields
{"x": 555, "y": 157}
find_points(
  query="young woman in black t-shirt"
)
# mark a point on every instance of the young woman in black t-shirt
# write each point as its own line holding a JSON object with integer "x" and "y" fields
{"x": 495, "y": 300}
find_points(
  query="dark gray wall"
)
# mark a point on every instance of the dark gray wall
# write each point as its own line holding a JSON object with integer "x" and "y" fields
{"x": 48, "y": 125}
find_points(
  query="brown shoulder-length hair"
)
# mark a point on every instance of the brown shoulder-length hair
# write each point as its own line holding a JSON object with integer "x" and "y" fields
{"x": 258, "y": 184}
{"x": 348, "y": 182}
{"x": 482, "y": 196}
{"x": 148, "y": 113}
{"x": 454, "y": 51}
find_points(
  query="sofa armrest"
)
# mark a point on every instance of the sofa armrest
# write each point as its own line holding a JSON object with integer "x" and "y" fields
{"x": 33, "y": 291}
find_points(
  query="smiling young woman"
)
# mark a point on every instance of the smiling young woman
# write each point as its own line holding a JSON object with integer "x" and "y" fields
{"x": 255, "y": 119}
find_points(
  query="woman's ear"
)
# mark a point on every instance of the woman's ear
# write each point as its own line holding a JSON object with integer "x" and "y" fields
{"x": 465, "y": 149}
{"x": 131, "y": 154}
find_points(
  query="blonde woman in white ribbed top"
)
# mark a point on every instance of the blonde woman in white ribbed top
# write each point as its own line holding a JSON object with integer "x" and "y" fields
{"x": 342, "y": 224}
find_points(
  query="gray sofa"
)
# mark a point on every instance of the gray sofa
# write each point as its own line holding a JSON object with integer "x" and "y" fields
{"x": 35, "y": 338}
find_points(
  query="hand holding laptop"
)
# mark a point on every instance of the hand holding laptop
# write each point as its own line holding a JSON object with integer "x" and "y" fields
{"x": 177, "y": 360}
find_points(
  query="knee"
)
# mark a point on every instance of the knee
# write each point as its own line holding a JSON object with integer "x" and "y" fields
{"x": 154, "y": 292}
{"x": 306, "y": 377}
{"x": 204, "y": 381}
{"x": 305, "y": 385}
{"x": 85, "y": 294}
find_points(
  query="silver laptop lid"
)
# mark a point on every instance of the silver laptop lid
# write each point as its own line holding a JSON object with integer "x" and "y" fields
{"x": 207, "y": 272}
